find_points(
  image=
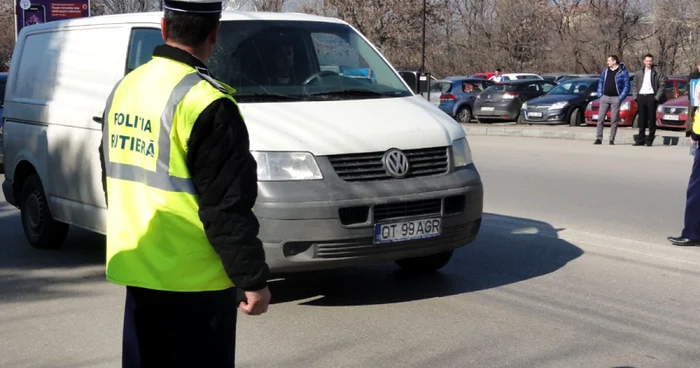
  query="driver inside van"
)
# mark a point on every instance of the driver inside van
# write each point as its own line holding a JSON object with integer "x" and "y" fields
{"x": 283, "y": 61}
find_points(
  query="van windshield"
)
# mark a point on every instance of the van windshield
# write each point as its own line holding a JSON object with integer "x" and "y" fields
{"x": 300, "y": 60}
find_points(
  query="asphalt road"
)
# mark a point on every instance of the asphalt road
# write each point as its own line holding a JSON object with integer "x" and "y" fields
{"x": 571, "y": 269}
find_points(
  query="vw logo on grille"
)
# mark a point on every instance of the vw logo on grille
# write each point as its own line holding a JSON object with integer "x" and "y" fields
{"x": 396, "y": 163}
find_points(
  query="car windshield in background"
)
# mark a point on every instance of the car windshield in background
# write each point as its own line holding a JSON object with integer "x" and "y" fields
{"x": 2, "y": 93}
{"x": 571, "y": 87}
{"x": 501, "y": 88}
{"x": 300, "y": 60}
{"x": 440, "y": 87}
{"x": 469, "y": 87}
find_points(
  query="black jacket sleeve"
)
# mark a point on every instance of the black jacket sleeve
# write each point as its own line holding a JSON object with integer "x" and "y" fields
{"x": 225, "y": 176}
{"x": 102, "y": 160}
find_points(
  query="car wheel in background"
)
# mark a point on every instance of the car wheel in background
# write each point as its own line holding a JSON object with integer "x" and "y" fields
{"x": 464, "y": 115}
{"x": 575, "y": 118}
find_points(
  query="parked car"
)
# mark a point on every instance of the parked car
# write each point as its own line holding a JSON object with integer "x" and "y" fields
{"x": 502, "y": 101}
{"x": 482, "y": 75}
{"x": 673, "y": 114}
{"x": 458, "y": 96}
{"x": 556, "y": 77}
{"x": 436, "y": 89}
{"x": 565, "y": 103}
{"x": 327, "y": 198}
{"x": 518, "y": 76}
{"x": 628, "y": 110}
{"x": 3, "y": 82}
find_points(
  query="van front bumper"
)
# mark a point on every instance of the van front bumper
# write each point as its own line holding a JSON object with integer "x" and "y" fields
{"x": 313, "y": 225}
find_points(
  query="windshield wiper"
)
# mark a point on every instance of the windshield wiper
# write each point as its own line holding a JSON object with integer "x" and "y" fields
{"x": 357, "y": 93}
{"x": 267, "y": 96}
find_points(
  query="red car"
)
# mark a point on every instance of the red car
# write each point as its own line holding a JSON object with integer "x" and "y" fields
{"x": 628, "y": 110}
{"x": 483, "y": 75}
{"x": 673, "y": 114}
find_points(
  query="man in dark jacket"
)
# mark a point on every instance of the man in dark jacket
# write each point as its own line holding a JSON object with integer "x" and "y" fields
{"x": 648, "y": 91}
{"x": 695, "y": 74}
{"x": 613, "y": 88}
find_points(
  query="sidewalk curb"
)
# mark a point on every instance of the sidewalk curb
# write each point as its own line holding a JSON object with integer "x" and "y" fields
{"x": 624, "y": 135}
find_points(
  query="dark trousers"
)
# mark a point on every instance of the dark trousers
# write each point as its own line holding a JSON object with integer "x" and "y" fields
{"x": 691, "y": 229}
{"x": 172, "y": 329}
{"x": 646, "y": 105}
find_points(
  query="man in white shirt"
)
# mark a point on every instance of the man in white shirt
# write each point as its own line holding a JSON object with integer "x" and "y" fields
{"x": 498, "y": 77}
{"x": 648, "y": 92}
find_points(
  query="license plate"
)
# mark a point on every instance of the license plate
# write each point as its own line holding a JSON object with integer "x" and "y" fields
{"x": 672, "y": 117}
{"x": 535, "y": 114}
{"x": 487, "y": 109}
{"x": 407, "y": 230}
{"x": 594, "y": 117}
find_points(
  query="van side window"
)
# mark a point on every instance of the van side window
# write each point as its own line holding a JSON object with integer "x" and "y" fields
{"x": 141, "y": 45}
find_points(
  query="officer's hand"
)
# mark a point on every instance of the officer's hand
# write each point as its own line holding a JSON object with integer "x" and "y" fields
{"x": 257, "y": 303}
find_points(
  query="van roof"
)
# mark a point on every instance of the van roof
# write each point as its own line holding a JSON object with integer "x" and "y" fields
{"x": 155, "y": 17}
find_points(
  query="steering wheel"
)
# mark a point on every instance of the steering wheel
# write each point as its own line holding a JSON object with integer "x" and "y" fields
{"x": 322, "y": 73}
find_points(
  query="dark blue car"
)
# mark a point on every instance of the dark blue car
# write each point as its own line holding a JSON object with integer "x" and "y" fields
{"x": 458, "y": 95}
{"x": 566, "y": 103}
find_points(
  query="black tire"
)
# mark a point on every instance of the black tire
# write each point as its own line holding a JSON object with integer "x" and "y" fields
{"x": 427, "y": 264}
{"x": 635, "y": 122}
{"x": 40, "y": 228}
{"x": 520, "y": 119}
{"x": 464, "y": 115}
{"x": 575, "y": 118}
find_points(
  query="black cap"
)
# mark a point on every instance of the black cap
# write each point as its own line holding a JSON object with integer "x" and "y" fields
{"x": 194, "y": 6}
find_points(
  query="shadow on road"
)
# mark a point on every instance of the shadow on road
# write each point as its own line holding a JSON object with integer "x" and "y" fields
{"x": 32, "y": 274}
{"x": 507, "y": 250}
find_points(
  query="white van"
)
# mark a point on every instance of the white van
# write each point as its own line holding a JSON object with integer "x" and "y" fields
{"x": 353, "y": 167}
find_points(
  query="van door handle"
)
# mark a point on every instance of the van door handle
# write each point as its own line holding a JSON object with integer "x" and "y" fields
{"x": 97, "y": 119}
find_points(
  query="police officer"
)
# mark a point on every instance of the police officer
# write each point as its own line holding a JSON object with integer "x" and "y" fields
{"x": 180, "y": 185}
{"x": 691, "y": 230}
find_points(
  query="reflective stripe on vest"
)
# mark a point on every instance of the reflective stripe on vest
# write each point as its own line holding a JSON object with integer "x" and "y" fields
{"x": 161, "y": 178}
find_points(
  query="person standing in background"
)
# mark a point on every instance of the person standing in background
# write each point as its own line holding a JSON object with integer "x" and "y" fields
{"x": 498, "y": 77}
{"x": 613, "y": 88}
{"x": 648, "y": 91}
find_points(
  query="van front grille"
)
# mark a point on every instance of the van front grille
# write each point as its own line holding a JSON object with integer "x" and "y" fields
{"x": 369, "y": 166}
{"x": 408, "y": 209}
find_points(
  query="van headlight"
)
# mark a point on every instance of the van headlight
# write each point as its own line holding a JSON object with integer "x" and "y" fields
{"x": 461, "y": 153}
{"x": 282, "y": 166}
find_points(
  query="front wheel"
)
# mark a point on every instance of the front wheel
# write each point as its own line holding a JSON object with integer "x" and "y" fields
{"x": 427, "y": 264}
{"x": 575, "y": 118}
{"x": 40, "y": 228}
{"x": 635, "y": 122}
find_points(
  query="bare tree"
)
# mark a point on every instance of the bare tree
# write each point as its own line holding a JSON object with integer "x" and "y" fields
{"x": 7, "y": 33}
{"x": 129, "y": 6}
{"x": 255, "y": 5}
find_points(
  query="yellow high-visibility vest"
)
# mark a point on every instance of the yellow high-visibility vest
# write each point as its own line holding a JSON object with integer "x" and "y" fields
{"x": 155, "y": 238}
